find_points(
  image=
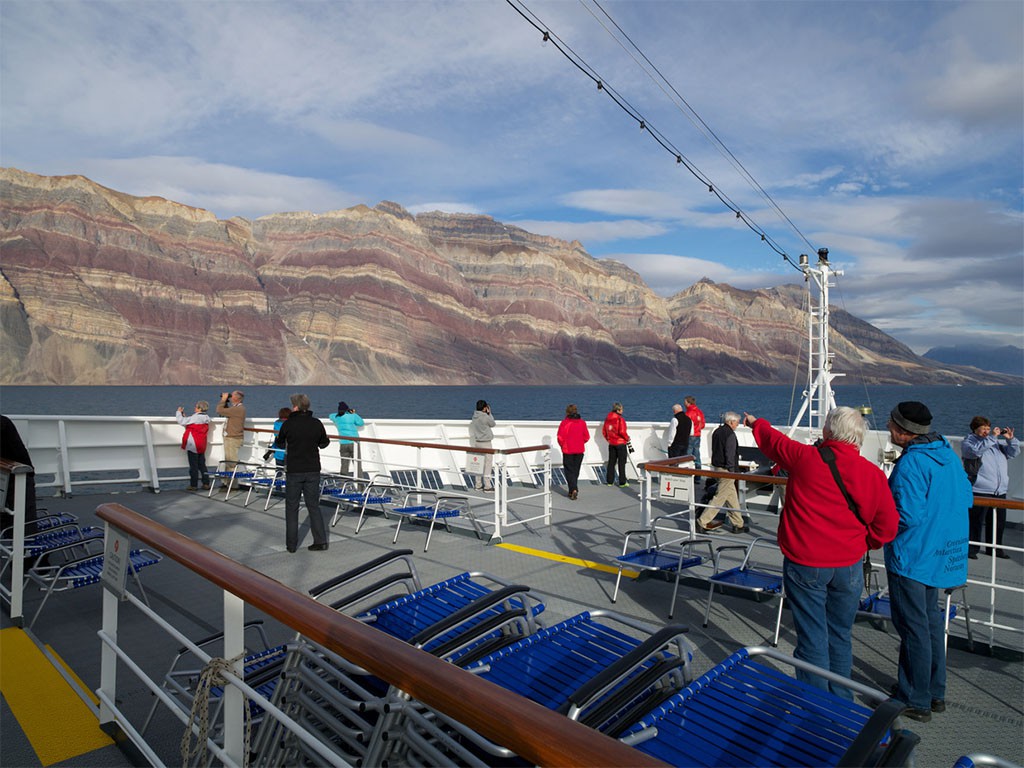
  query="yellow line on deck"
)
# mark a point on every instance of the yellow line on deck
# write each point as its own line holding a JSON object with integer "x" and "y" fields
{"x": 57, "y": 723}
{"x": 570, "y": 560}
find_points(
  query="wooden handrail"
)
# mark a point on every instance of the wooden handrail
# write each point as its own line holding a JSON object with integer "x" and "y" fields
{"x": 438, "y": 446}
{"x": 14, "y": 467}
{"x": 667, "y": 467}
{"x": 530, "y": 730}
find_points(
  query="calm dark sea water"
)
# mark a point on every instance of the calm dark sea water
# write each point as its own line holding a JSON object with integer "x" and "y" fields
{"x": 952, "y": 407}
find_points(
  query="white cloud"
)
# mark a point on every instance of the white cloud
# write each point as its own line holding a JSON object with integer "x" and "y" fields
{"x": 222, "y": 189}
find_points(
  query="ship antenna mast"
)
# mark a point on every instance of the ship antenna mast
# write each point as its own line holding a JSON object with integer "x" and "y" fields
{"x": 819, "y": 398}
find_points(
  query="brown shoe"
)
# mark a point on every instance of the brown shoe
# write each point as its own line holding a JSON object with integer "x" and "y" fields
{"x": 713, "y": 525}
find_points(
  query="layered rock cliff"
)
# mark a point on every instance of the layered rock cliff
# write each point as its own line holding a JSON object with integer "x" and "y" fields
{"x": 99, "y": 287}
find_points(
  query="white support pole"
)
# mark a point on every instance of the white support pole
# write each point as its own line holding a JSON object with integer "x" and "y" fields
{"x": 108, "y": 656}
{"x": 18, "y": 549}
{"x": 153, "y": 475}
{"x": 62, "y": 448}
{"x": 646, "y": 494}
{"x": 547, "y": 487}
{"x": 234, "y": 701}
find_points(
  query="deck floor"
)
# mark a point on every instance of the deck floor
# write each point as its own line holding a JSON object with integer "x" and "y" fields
{"x": 567, "y": 562}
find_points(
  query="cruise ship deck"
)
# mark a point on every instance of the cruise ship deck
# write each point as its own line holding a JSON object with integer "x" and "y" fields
{"x": 570, "y": 561}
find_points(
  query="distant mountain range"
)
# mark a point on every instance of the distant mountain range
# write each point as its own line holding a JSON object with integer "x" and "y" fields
{"x": 100, "y": 287}
{"x": 1006, "y": 359}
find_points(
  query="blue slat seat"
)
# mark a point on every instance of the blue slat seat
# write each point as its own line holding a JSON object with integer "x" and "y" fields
{"x": 743, "y": 712}
{"x": 672, "y": 555}
{"x": 444, "y": 508}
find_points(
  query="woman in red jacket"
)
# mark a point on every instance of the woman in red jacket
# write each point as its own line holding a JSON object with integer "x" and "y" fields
{"x": 572, "y": 439}
{"x": 614, "y": 432}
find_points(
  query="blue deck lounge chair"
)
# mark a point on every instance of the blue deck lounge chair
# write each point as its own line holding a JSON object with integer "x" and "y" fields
{"x": 751, "y": 575}
{"x": 673, "y": 553}
{"x": 744, "y": 712}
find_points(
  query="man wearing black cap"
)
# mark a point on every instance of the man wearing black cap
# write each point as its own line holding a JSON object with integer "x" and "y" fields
{"x": 929, "y": 553}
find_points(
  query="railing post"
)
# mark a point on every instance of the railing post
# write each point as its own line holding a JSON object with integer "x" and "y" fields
{"x": 108, "y": 657}
{"x": 646, "y": 492}
{"x": 234, "y": 701}
{"x": 547, "y": 487}
{"x": 500, "y": 499}
{"x": 62, "y": 452}
{"x": 154, "y": 476}
{"x": 18, "y": 549}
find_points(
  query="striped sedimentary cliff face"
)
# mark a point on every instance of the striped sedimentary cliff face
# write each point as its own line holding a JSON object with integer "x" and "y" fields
{"x": 100, "y": 287}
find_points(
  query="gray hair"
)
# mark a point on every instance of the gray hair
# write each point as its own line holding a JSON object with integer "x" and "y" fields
{"x": 844, "y": 424}
{"x": 300, "y": 401}
{"x": 729, "y": 417}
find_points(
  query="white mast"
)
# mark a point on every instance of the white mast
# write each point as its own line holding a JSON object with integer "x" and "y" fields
{"x": 819, "y": 398}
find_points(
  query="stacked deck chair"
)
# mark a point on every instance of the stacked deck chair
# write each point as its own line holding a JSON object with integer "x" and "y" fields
{"x": 587, "y": 668}
{"x": 460, "y": 618}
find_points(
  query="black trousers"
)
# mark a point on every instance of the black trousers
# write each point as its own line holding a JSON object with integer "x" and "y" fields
{"x": 302, "y": 485}
{"x": 617, "y": 457}
{"x": 980, "y": 519}
{"x": 571, "y": 463}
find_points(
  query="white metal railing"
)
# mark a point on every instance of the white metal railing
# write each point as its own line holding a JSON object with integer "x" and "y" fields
{"x": 1002, "y": 596}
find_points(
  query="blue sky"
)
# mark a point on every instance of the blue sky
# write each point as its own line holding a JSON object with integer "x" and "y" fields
{"x": 890, "y": 133}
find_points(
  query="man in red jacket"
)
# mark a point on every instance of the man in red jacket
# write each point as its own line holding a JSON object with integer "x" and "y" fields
{"x": 824, "y": 532}
{"x": 614, "y": 431}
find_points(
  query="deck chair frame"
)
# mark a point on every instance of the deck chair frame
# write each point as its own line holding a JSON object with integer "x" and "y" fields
{"x": 751, "y": 576}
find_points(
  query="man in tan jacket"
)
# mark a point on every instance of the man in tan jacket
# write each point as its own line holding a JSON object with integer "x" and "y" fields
{"x": 231, "y": 408}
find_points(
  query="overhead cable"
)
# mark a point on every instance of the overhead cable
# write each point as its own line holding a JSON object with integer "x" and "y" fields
{"x": 645, "y": 125}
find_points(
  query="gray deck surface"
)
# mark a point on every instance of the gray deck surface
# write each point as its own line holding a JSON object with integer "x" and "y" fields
{"x": 985, "y": 691}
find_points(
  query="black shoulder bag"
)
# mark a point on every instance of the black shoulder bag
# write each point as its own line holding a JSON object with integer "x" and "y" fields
{"x": 829, "y": 457}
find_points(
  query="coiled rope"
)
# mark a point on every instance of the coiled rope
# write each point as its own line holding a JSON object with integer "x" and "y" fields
{"x": 211, "y": 676}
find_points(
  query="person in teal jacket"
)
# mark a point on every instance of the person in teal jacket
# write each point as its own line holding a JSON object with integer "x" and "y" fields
{"x": 932, "y": 495}
{"x": 348, "y": 423}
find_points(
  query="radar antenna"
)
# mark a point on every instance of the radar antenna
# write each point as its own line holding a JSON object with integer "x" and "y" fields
{"x": 818, "y": 398}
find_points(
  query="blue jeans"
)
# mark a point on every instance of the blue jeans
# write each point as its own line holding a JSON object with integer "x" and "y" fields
{"x": 824, "y": 602}
{"x": 694, "y": 450}
{"x": 302, "y": 485}
{"x": 920, "y": 624}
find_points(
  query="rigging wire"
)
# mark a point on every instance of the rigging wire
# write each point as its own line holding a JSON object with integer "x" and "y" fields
{"x": 566, "y": 50}
{"x": 691, "y": 114}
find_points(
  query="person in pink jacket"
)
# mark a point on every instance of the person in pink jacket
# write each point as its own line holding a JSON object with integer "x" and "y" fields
{"x": 572, "y": 439}
{"x": 838, "y": 506}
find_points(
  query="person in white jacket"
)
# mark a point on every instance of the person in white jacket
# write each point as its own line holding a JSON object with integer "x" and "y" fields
{"x": 193, "y": 442}
{"x": 481, "y": 435}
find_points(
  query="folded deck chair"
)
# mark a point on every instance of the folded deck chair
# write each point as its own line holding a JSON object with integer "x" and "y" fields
{"x": 471, "y": 613}
{"x": 586, "y": 667}
{"x": 756, "y": 576}
{"x": 745, "y": 712}
{"x": 458, "y": 619}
